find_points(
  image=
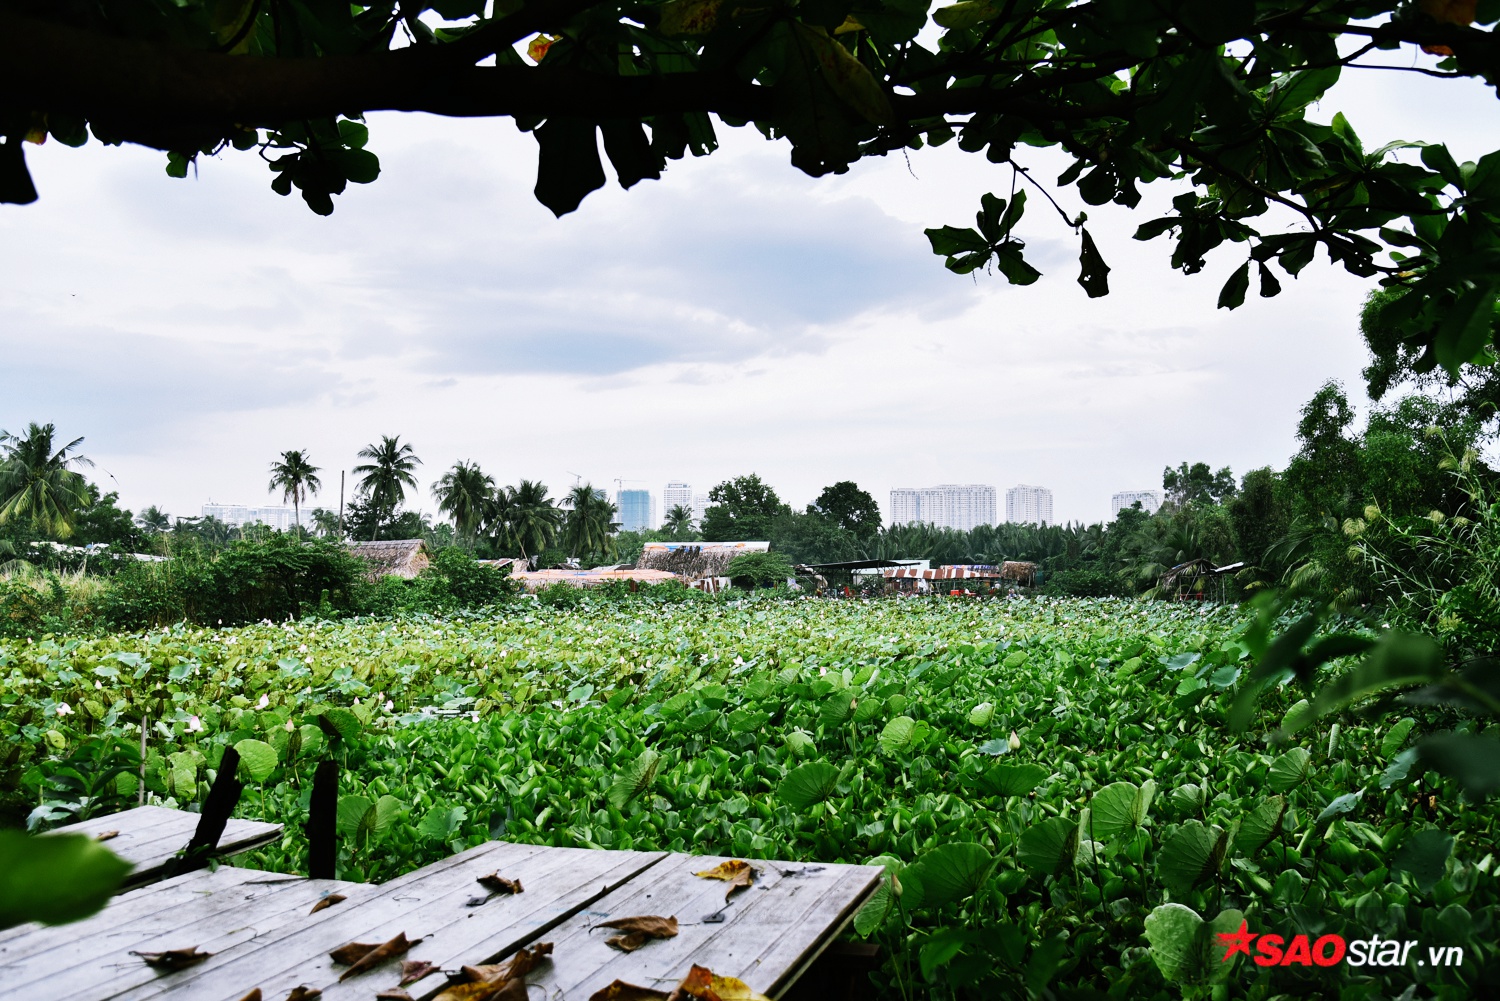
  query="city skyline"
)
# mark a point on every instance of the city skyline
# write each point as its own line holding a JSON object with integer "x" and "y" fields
{"x": 1026, "y": 504}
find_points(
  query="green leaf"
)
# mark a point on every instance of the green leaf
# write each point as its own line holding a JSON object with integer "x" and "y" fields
{"x": 1298, "y": 716}
{"x": 356, "y": 816}
{"x": 1470, "y": 760}
{"x": 896, "y": 736}
{"x": 800, "y": 744}
{"x": 1048, "y": 847}
{"x": 1258, "y": 828}
{"x": 387, "y": 809}
{"x": 1395, "y": 738}
{"x": 1013, "y": 266}
{"x": 807, "y": 784}
{"x": 257, "y": 759}
{"x": 441, "y": 823}
{"x": 1466, "y": 328}
{"x": 1232, "y": 296}
{"x": 873, "y": 913}
{"x": 55, "y": 878}
{"x": 1190, "y": 856}
{"x": 1339, "y": 806}
{"x": 568, "y": 167}
{"x": 981, "y": 714}
{"x": 1093, "y": 273}
{"x": 1185, "y": 948}
{"x": 950, "y": 241}
{"x": 1117, "y": 808}
{"x": 836, "y": 709}
{"x": 965, "y": 14}
{"x": 339, "y": 722}
{"x": 1398, "y": 769}
{"x": 1288, "y": 770}
{"x": 634, "y": 779}
{"x": 1398, "y": 660}
{"x": 951, "y": 872}
{"x": 1424, "y": 854}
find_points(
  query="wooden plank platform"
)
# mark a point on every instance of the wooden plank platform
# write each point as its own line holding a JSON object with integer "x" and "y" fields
{"x": 150, "y": 836}
{"x": 258, "y": 927}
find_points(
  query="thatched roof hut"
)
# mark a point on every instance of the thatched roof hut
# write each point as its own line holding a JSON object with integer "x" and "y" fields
{"x": 393, "y": 557}
{"x": 537, "y": 579}
{"x": 693, "y": 560}
{"x": 1020, "y": 571}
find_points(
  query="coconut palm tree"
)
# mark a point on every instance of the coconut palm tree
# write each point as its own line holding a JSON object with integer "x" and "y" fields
{"x": 384, "y": 479}
{"x": 36, "y": 485}
{"x": 678, "y": 522}
{"x": 325, "y": 522}
{"x": 463, "y": 493}
{"x": 590, "y": 521}
{"x": 154, "y": 521}
{"x": 296, "y": 477}
{"x": 532, "y": 519}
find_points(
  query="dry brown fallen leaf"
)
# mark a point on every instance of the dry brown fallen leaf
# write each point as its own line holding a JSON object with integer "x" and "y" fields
{"x": 740, "y": 875}
{"x": 106, "y": 835}
{"x": 413, "y": 970}
{"x": 375, "y": 956}
{"x": 702, "y": 984}
{"x": 254, "y": 995}
{"x": 638, "y": 931}
{"x": 173, "y": 959}
{"x": 499, "y": 884}
{"x": 497, "y": 981}
{"x": 351, "y": 953}
{"x": 621, "y": 991}
{"x": 300, "y": 993}
{"x": 328, "y": 901}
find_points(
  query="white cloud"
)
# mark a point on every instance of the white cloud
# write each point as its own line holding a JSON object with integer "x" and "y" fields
{"x": 734, "y": 316}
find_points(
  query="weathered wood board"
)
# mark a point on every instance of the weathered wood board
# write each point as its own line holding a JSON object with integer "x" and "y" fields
{"x": 261, "y": 934}
{"x": 765, "y": 935}
{"x": 217, "y": 911}
{"x": 149, "y": 836}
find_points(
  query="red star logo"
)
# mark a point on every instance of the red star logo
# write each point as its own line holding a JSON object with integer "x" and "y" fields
{"x": 1238, "y": 941}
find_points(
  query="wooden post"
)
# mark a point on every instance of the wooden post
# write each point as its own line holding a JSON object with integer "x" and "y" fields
{"x": 223, "y": 797}
{"x": 322, "y": 822}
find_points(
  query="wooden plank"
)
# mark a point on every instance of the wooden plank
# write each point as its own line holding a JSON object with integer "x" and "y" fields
{"x": 149, "y": 836}
{"x": 768, "y": 935}
{"x": 431, "y": 904}
{"x": 228, "y": 909}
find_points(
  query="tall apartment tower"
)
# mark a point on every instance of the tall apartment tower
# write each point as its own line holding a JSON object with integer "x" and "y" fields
{"x": 1028, "y": 505}
{"x": 1149, "y": 501}
{"x": 637, "y": 510}
{"x": 961, "y": 506}
{"x": 676, "y": 493}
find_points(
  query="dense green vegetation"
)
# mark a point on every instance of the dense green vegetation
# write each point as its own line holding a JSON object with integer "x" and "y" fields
{"x": 1041, "y": 776}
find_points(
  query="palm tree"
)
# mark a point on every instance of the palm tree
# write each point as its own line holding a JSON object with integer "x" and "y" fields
{"x": 463, "y": 493}
{"x": 590, "y": 521}
{"x": 154, "y": 521}
{"x": 533, "y": 519}
{"x": 296, "y": 477}
{"x": 35, "y": 482}
{"x": 384, "y": 479}
{"x": 678, "y": 522}
{"x": 325, "y": 522}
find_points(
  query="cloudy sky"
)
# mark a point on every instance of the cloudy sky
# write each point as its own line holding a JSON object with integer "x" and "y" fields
{"x": 735, "y": 316}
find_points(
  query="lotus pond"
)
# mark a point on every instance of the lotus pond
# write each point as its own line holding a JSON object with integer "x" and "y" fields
{"x": 1052, "y": 787}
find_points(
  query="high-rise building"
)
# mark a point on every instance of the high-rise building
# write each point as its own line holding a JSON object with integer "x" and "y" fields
{"x": 1149, "y": 500}
{"x": 961, "y": 506}
{"x": 700, "y": 506}
{"x": 1028, "y": 505}
{"x": 637, "y": 510}
{"x": 277, "y": 516}
{"x": 676, "y": 493}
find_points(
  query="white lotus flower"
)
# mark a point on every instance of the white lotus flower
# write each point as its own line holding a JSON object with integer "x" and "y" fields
{"x": 265, "y": 700}
{"x": 195, "y": 725}
{"x": 63, "y": 709}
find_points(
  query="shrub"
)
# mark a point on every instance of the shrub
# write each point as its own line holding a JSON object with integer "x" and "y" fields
{"x": 1082, "y": 582}
{"x": 759, "y": 569}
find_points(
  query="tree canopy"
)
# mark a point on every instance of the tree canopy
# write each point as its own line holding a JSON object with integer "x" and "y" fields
{"x": 1216, "y": 98}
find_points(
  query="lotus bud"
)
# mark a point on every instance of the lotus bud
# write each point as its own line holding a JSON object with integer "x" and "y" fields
{"x": 1015, "y": 742}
